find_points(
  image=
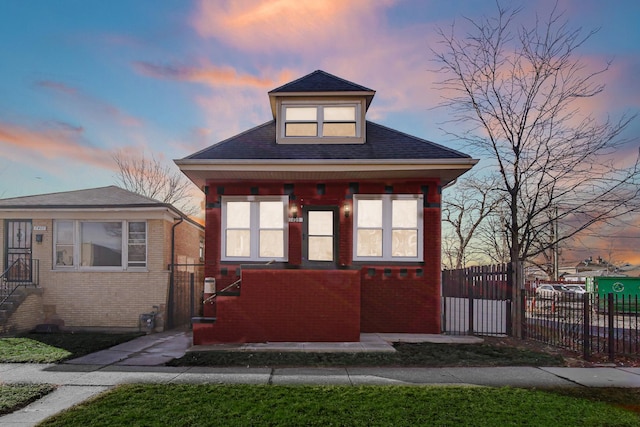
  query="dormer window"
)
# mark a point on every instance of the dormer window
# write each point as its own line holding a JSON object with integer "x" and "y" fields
{"x": 323, "y": 122}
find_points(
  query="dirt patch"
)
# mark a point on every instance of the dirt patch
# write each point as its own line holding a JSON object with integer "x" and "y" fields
{"x": 572, "y": 359}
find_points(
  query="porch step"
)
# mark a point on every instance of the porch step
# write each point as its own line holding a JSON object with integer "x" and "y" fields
{"x": 229, "y": 293}
{"x": 203, "y": 320}
{"x": 8, "y": 307}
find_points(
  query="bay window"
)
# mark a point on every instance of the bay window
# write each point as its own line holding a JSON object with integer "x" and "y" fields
{"x": 254, "y": 228}
{"x": 388, "y": 228}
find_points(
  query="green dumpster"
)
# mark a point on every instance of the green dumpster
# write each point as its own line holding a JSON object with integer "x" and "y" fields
{"x": 625, "y": 290}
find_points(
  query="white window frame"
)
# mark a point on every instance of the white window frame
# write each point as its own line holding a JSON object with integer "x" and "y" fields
{"x": 254, "y": 228}
{"x": 387, "y": 229}
{"x": 77, "y": 247}
{"x": 320, "y": 105}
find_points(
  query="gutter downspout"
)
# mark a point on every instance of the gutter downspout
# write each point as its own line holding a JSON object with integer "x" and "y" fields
{"x": 170, "y": 301}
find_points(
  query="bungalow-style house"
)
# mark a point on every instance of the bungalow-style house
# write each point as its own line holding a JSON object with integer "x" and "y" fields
{"x": 92, "y": 259}
{"x": 321, "y": 225}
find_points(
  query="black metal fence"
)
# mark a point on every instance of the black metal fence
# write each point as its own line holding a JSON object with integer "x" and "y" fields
{"x": 185, "y": 293}
{"x": 477, "y": 300}
{"x": 591, "y": 324}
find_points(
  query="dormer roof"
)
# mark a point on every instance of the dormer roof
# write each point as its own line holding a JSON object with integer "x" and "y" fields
{"x": 320, "y": 83}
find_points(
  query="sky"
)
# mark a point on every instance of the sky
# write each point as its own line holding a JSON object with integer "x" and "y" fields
{"x": 82, "y": 79}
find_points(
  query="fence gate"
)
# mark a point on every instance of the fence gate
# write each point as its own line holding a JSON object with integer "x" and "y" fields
{"x": 477, "y": 300}
{"x": 185, "y": 293}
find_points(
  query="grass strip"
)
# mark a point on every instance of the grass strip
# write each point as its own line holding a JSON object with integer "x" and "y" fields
{"x": 407, "y": 354}
{"x": 16, "y": 396}
{"x": 242, "y": 405}
{"x": 57, "y": 347}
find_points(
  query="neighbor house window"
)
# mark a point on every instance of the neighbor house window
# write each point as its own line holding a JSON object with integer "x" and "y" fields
{"x": 387, "y": 228}
{"x": 337, "y": 121}
{"x": 137, "y": 244}
{"x": 254, "y": 228}
{"x": 100, "y": 244}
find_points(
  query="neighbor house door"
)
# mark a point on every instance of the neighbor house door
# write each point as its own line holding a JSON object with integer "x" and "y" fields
{"x": 17, "y": 243}
{"x": 320, "y": 235}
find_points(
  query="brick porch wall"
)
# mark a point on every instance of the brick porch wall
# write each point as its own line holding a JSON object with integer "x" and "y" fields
{"x": 288, "y": 305}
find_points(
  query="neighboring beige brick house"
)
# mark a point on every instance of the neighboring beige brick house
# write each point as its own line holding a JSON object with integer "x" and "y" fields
{"x": 100, "y": 256}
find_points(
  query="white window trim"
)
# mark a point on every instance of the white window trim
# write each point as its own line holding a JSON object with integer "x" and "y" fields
{"x": 387, "y": 228}
{"x": 254, "y": 228}
{"x": 76, "y": 266}
{"x": 320, "y": 139}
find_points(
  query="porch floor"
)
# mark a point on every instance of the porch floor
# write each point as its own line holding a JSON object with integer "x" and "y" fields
{"x": 376, "y": 342}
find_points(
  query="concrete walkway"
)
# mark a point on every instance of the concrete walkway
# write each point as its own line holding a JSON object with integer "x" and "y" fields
{"x": 141, "y": 360}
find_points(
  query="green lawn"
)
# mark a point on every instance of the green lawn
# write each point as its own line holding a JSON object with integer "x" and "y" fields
{"x": 16, "y": 396}
{"x": 57, "y": 347}
{"x": 422, "y": 354}
{"x": 244, "y": 405}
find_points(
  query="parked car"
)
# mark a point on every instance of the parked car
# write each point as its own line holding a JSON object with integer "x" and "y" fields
{"x": 551, "y": 291}
{"x": 576, "y": 289}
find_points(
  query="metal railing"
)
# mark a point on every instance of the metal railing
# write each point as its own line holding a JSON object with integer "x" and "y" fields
{"x": 20, "y": 273}
{"x": 211, "y": 298}
{"x": 590, "y": 324}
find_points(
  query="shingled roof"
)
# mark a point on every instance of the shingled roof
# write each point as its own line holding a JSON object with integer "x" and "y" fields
{"x": 257, "y": 154}
{"x": 102, "y": 197}
{"x": 320, "y": 81}
{"x": 382, "y": 143}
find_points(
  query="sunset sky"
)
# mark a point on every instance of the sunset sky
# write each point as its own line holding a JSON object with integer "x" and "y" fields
{"x": 80, "y": 79}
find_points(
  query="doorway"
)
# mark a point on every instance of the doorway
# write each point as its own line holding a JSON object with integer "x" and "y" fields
{"x": 17, "y": 245}
{"x": 320, "y": 235}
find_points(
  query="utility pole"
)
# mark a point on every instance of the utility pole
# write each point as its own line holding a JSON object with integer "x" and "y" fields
{"x": 556, "y": 264}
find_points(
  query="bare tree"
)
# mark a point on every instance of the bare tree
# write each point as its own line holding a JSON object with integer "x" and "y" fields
{"x": 149, "y": 177}
{"x": 491, "y": 236}
{"x": 514, "y": 93}
{"x": 475, "y": 199}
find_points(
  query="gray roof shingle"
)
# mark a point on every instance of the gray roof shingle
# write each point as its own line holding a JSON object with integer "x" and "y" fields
{"x": 320, "y": 81}
{"x": 111, "y": 196}
{"x": 382, "y": 142}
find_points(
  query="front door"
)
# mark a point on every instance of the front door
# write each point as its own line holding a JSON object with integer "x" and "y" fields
{"x": 17, "y": 245}
{"x": 320, "y": 235}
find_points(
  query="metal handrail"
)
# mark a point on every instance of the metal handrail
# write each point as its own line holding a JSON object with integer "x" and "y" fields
{"x": 215, "y": 294}
{"x": 5, "y": 293}
{"x": 236, "y": 283}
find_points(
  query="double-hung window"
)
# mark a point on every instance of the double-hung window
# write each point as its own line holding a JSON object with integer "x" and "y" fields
{"x": 254, "y": 228}
{"x": 330, "y": 122}
{"x": 388, "y": 228}
{"x": 100, "y": 244}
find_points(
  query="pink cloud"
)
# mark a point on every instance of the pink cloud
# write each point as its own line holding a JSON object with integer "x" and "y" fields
{"x": 57, "y": 141}
{"x": 283, "y": 25}
{"x": 88, "y": 104}
{"x": 210, "y": 74}
{"x": 616, "y": 242}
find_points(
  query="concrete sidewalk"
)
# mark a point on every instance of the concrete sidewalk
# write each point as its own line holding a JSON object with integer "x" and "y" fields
{"x": 140, "y": 360}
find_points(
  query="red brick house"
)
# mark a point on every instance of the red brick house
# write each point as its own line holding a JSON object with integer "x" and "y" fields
{"x": 327, "y": 224}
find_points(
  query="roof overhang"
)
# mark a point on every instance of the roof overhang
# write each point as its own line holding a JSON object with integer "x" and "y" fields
{"x": 367, "y": 95}
{"x": 201, "y": 170}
